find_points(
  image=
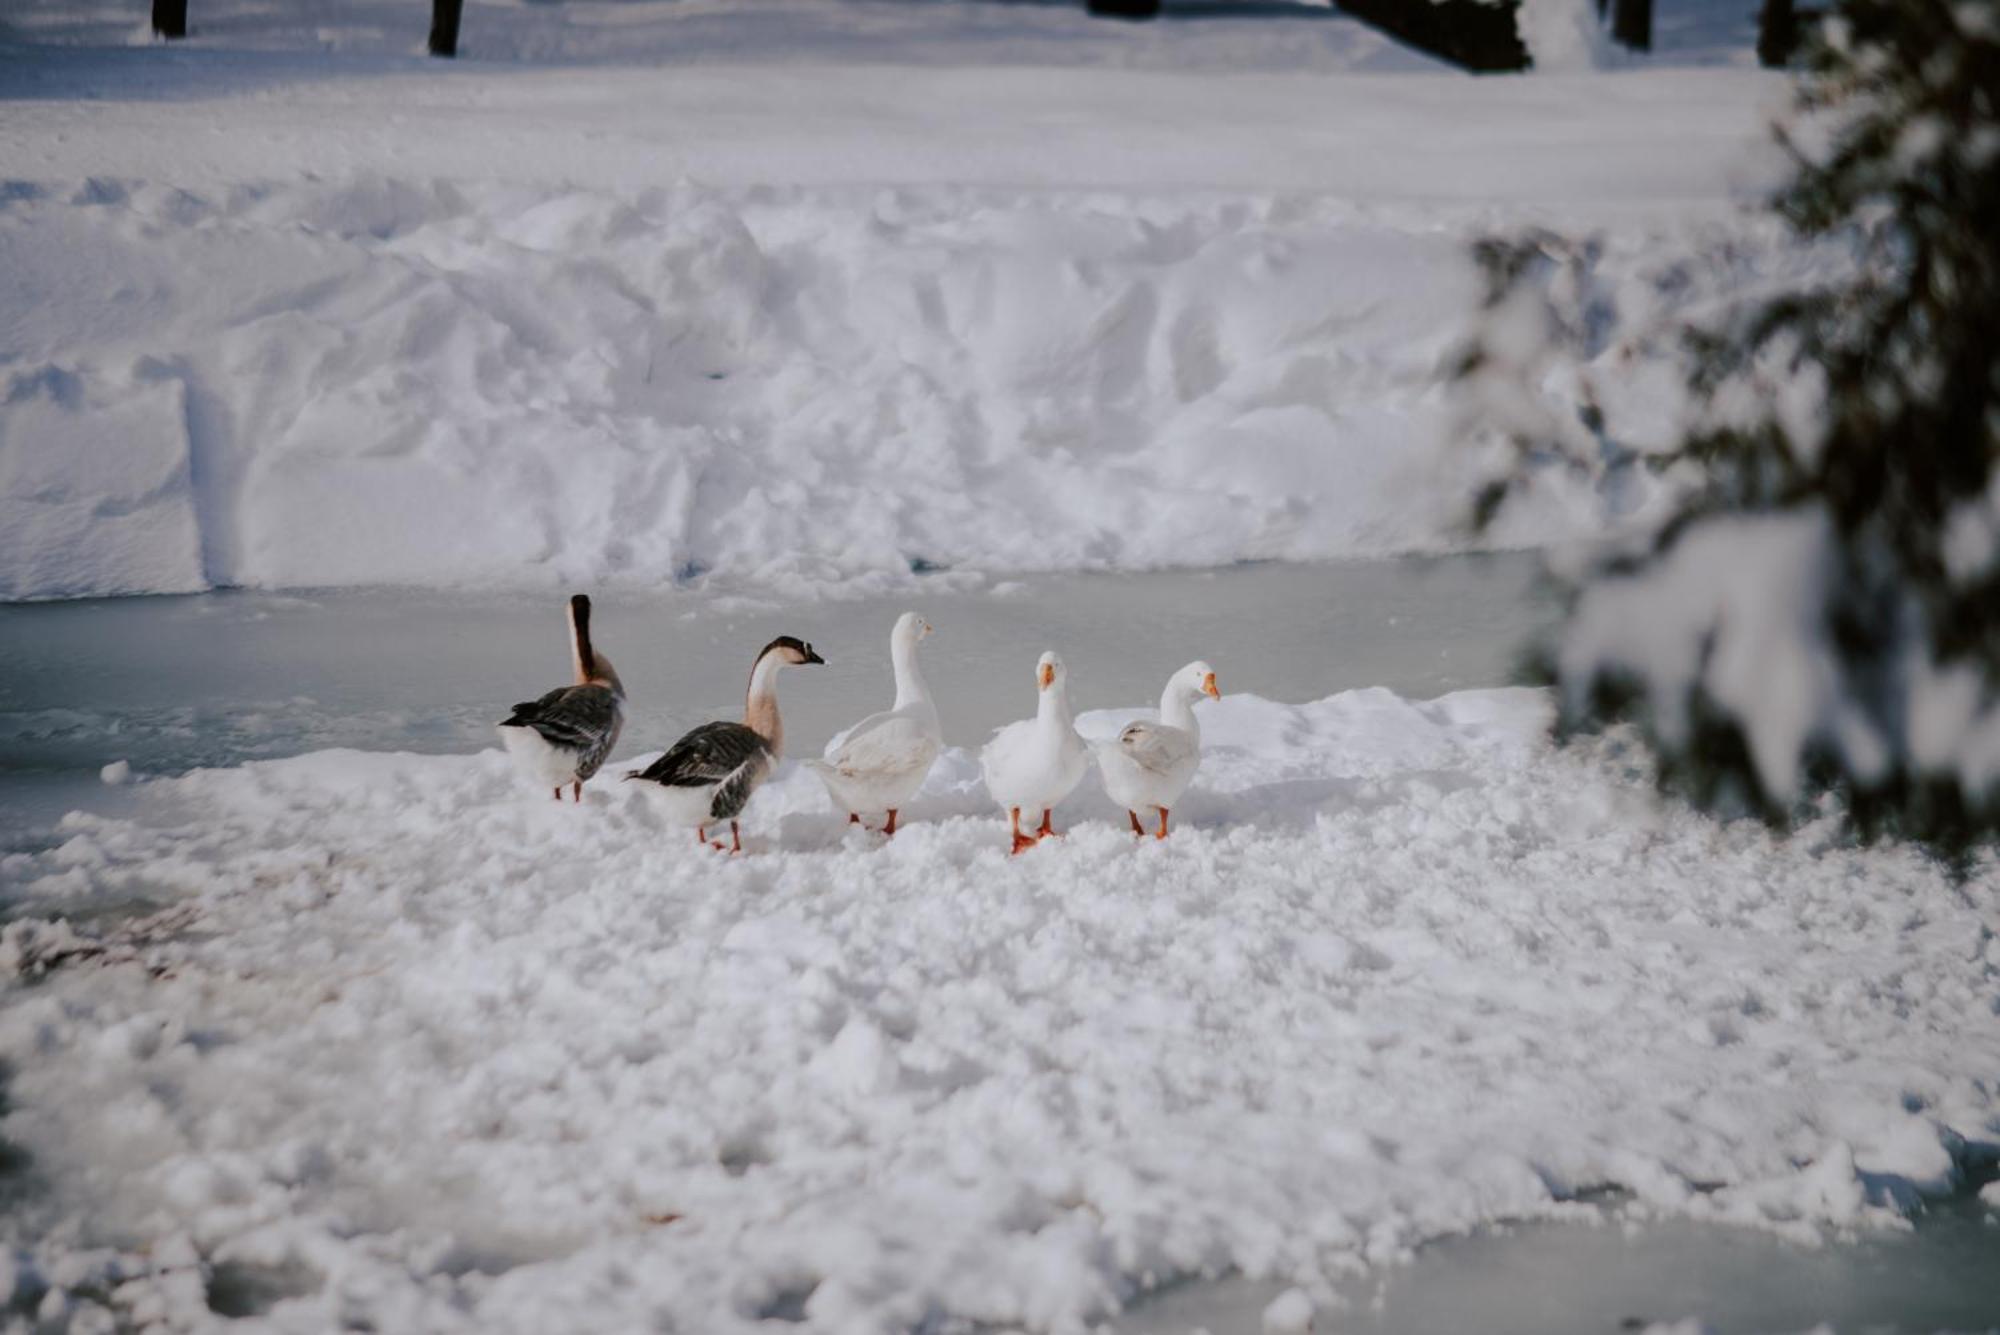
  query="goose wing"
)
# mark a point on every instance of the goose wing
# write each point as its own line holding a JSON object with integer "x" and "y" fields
{"x": 1155, "y": 747}
{"x": 577, "y": 717}
{"x": 709, "y": 755}
{"x": 887, "y": 743}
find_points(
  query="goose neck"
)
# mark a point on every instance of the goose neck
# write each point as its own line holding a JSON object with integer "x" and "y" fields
{"x": 1052, "y": 710}
{"x": 760, "y": 704}
{"x": 911, "y": 689}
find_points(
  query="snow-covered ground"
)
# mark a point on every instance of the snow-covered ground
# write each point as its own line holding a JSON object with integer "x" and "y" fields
{"x": 658, "y": 291}
{"x": 386, "y": 1039}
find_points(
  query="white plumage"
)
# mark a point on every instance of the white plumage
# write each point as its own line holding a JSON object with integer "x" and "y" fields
{"x": 879, "y": 764}
{"x": 1034, "y": 764}
{"x": 1149, "y": 764}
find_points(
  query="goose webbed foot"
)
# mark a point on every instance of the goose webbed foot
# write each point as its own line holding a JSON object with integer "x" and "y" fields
{"x": 1138, "y": 830}
{"x": 1022, "y": 842}
{"x": 1163, "y": 824}
{"x": 1047, "y": 829}
{"x": 889, "y": 830}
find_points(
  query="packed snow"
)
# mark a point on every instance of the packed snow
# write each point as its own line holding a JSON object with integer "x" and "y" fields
{"x": 394, "y": 1039}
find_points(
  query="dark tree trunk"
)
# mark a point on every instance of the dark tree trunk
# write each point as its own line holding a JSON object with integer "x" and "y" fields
{"x": 444, "y": 27}
{"x": 1123, "y": 9}
{"x": 1777, "y": 33}
{"x": 1475, "y": 34}
{"x": 170, "y": 18}
{"x": 1632, "y": 23}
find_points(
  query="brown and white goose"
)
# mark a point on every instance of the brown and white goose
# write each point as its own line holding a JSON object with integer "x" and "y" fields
{"x": 708, "y": 775}
{"x": 563, "y": 737}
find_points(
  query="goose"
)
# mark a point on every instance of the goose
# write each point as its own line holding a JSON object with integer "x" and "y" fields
{"x": 880, "y": 762}
{"x": 1149, "y": 764}
{"x": 708, "y": 775}
{"x": 563, "y": 737}
{"x": 1034, "y": 764}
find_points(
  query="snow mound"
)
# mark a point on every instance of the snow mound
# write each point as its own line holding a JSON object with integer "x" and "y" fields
{"x": 800, "y": 391}
{"x": 96, "y": 485}
{"x": 399, "y": 1042}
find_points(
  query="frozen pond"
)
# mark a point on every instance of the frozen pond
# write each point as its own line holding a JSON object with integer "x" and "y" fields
{"x": 172, "y": 683}
{"x": 1583, "y": 1279}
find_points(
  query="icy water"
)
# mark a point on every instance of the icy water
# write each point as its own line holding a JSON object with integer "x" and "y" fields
{"x": 1607, "y": 1278}
{"x": 173, "y": 683}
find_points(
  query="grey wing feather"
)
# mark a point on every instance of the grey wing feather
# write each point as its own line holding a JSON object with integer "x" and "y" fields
{"x": 734, "y": 794}
{"x": 583, "y": 719}
{"x": 1154, "y": 747}
{"x": 708, "y": 755}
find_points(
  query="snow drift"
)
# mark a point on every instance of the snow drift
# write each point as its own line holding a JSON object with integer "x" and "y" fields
{"x": 797, "y": 297}
{"x": 392, "y": 1040}
{"x": 380, "y": 382}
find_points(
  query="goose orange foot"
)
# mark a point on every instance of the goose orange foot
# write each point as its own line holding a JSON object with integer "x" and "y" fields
{"x": 1022, "y": 842}
{"x": 734, "y": 846}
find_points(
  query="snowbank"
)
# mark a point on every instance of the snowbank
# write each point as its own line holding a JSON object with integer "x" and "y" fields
{"x": 380, "y": 382}
{"x": 401, "y": 1043}
{"x": 888, "y": 287}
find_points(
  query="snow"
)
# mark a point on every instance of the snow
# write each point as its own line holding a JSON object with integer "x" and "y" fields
{"x": 405, "y": 1044}
{"x": 1290, "y": 1313}
{"x": 792, "y": 298}
{"x": 1736, "y": 609}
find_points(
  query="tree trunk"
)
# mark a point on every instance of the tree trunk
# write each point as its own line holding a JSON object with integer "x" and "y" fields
{"x": 444, "y": 27}
{"x": 1123, "y": 9}
{"x": 1777, "y": 33}
{"x": 170, "y": 18}
{"x": 1632, "y": 23}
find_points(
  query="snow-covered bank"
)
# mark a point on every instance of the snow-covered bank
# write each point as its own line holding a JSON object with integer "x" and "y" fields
{"x": 379, "y": 381}
{"x": 281, "y": 308}
{"x": 403, "y": 1044}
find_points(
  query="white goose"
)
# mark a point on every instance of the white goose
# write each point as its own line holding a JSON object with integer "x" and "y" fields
{"x": 880, "y": 762}
{"x": 1149, "y": 764}
{"x": 1034, "y": 764}
{"x": 563, "y": 737}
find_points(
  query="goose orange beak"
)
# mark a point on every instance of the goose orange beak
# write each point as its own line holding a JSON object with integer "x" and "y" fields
{"x": 1048, "y": 675}
{"x": 1208, "y": 687}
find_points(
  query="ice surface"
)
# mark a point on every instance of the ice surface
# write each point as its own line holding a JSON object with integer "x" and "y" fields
{"x": 172, "y": 683}
{"x": 425, "y": 1050}
{"x": 1600, "y": 1275}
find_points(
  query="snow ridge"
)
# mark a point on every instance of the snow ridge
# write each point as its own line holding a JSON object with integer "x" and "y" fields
{"x": 448, "y": 384}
